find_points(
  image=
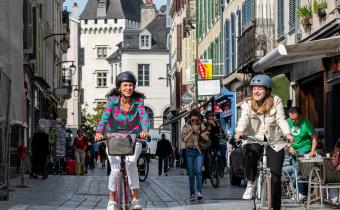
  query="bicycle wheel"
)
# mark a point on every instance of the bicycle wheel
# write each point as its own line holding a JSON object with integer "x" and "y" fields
{"x": 266, "y": 193}
{"x": 220, "y": 166}
{"x": 214, "y": 173}
{"x": 120, "y": 191}
{"x": 143, "y": 168}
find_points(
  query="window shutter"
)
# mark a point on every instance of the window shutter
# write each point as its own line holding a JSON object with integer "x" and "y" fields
{"x": 250, "y": 11}
{"x": 244, "y": 17}
{"x": 227, "y": 47}
{"x": 28, "y": 27}
{"x": 280, "y": 18}
{"x": 292, "y": 14}
{"x": 233, "y": 41}
{"x": 179, "y": 42}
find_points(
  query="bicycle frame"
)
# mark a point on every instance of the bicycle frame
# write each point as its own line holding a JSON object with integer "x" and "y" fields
{"x": 122, "y": 192}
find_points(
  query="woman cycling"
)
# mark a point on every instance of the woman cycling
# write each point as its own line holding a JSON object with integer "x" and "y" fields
{"x": 263, "y": 117}
{"x": 124, "y": 110}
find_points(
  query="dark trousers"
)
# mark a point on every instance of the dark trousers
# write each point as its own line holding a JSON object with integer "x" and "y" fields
{"x": 39, "y": 164}
{"x": 251, "y": 155}
{"x": 160, "y": 164}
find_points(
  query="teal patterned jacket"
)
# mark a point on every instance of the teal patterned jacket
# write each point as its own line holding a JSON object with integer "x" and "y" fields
{"x": 114, "y": 118}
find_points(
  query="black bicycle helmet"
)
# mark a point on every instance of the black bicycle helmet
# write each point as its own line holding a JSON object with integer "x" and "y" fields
{"x": 125, "y": 76}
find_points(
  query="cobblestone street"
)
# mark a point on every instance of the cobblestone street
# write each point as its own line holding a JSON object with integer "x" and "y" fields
{"x": 90, "y": 192}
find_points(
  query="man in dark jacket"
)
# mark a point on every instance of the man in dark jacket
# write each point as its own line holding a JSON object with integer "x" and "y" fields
{"x": 40, "y": 152}
{"x": 163, "y": 151}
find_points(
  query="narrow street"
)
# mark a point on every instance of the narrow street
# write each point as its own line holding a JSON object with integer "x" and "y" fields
{"x": 90, "y": 192}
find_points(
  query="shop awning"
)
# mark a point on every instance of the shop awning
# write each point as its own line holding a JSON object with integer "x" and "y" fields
{"x": 294, "y": 53}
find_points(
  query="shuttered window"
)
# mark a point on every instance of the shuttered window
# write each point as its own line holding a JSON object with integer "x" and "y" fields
{"x": 292, "y": 14}
{"x": 280, "y": 18}
{"x": 179, "y": 42}
{"x": 28, "y": 27}
{"x": 244, "y": 17}
{"x": 233, "y": 41}
{"x": 227, "y": 47}
{"x": 250, "y": 11}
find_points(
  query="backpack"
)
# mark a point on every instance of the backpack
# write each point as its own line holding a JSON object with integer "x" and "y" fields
{"x": 236, "y": 162}
{"x": 204, "y": 144}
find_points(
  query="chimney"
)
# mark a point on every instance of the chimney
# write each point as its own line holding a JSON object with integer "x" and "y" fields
{"x": 75, "y": 10}
{"x": 148, "y": 13}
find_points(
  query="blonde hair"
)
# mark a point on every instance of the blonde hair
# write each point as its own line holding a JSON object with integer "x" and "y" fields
{"x": 263, "y": 106}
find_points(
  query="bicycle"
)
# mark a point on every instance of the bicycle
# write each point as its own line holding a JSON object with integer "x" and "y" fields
{"x": 122, "y": 188}
{"x": 216, "y": 169}
{"x": 263, "y": 181}
{"x": 143, "y": 162}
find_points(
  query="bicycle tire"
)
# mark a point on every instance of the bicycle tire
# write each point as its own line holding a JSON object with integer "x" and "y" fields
{"x": 220, "y": 166}
{"x": 214, "y": 174}
{"x": 143, "y": 168}
{"x": 120, "y": 192}
{"x": 266, "y": 193}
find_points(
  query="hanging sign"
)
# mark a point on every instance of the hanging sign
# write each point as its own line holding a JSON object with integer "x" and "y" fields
{"x": 207, "y": 63}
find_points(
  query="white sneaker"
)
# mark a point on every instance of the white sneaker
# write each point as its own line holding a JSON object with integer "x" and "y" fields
{"x": 112, "y": 205}
{"x": 248, "y": 194}
{"x": 136, "y": 205}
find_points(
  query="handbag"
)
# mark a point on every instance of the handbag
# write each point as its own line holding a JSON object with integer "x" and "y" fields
{"x": 121, "y": 144}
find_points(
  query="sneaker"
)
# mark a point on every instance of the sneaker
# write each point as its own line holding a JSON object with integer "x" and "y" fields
{"x": 112, "y": 205}
{"x": 192, "y": 197}
{"x": 136, "y": 205}
{"x": 199, "y": 196}
{"x": 301, "y": 198}
{"x": 248, "y": 194}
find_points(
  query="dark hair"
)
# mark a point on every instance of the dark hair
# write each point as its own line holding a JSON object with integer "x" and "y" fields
{"x": 163, "y": 136}
{"x": 196, "y": 113}
{"x": 294, "y": 110}
{"x": 79, "y": 131}
{"x": 135, "y": 94}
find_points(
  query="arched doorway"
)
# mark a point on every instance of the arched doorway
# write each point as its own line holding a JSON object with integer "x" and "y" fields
{"x": 151, "y": 116}
{"x": 166, "y": 118}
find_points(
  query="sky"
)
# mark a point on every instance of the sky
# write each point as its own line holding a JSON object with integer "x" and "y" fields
{"x": 82, "y": 3}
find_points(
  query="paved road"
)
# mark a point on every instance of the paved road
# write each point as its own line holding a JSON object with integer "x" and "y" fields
{"x": 90, "y": 192}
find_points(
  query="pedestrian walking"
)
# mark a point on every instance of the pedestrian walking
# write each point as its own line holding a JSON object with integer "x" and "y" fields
{"x": 124, "y": 110}
{"x": 163, "y": 151}
{"x": 40, "y": 151}
{"x": 80, "y": 145}
{"x": 191, "y": 135}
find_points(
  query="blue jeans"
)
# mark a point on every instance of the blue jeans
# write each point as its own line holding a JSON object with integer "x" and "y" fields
{"x": 290, "y": 169}
{"x": 192, "y": 156}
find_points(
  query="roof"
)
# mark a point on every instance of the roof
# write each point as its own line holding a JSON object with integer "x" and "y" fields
{"x": 158, "y": 30}
{"x": 119, "y": 9}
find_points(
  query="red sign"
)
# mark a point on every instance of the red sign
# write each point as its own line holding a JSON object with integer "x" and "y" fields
{"x": 201, "y": 69}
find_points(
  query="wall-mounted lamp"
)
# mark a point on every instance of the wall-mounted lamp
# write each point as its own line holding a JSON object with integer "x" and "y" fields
{"x": 64, "y": 43}
{"x": 72, "y": 67}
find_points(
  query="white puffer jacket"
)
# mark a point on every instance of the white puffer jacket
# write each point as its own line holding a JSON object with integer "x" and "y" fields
{"x": 272, "y": 124}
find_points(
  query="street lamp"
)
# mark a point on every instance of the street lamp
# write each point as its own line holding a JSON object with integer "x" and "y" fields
{"x": 72, "y": 67}
{"x": 64, "y": 43}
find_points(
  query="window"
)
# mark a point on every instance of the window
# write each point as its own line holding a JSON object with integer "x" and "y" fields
{"x": 292, "y": 14}
{"x": 233, "y": 41}
{"x": 143, "y": 74}
{"x": 144, "y": 41}
{"x": 167, "y": 75}
{"x": 101, "y": 52}
{"x": 227, "y": 47}
{"x": 101, "y": 79}
{"x": 105, "y": 21}
{"x": 85, "y": 21}
{"x": 115, "y": 20}
{"x": 280, "y": 18}
{"x": 95, "y": 21}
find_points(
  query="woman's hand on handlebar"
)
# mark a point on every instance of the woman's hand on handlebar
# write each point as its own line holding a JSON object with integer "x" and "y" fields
{"x": 144, "y": 134}
{"x": 290, "y": 138}
{"x": 99, "y": 137}
{"x": 238, "y": 136}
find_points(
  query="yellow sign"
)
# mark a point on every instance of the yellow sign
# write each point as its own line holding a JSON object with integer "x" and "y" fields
{"x": 207, "y": 63}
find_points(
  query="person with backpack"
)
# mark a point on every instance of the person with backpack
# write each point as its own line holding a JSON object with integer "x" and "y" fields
{"x": 192, "y": 134}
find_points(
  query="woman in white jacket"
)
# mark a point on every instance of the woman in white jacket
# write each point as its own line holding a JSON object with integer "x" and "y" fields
{"x": 263, "y": 117}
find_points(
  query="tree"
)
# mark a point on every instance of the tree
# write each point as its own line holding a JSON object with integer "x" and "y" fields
{"x": 89, "y": 121}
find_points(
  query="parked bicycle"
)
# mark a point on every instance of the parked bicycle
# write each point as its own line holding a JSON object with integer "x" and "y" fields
{"x": 263, "y": 194}
{"x": 214, "y": 168}
{"x": 143, "y": 162}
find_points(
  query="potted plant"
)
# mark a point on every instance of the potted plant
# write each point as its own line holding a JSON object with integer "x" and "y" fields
{"x": 322, "y": 9}
{"x": 305, "y": 13}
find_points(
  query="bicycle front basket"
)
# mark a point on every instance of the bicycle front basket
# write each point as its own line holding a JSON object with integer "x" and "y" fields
{"x": 119, "y": 144}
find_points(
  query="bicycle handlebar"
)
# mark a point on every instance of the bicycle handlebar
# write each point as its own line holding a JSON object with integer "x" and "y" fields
{"x": 259, "y": 141}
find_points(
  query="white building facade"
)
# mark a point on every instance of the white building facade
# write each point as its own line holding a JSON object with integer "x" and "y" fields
{"x": 102, "y": 36}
